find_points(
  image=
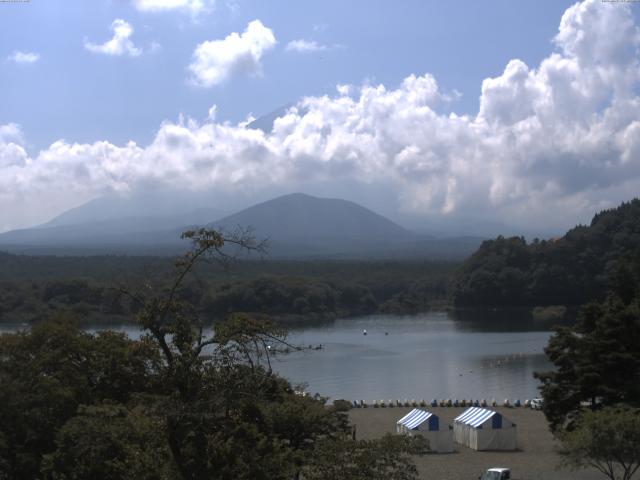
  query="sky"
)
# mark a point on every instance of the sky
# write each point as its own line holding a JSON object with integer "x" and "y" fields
{"x": 526, "y": 112}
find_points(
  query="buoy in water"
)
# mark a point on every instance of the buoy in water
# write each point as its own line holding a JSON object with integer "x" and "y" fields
{"x": 364, "y": 332}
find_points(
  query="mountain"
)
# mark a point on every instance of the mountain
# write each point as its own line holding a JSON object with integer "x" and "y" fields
{"x": 162, "y": 206}
{"x": 300, "y": 217}
{"x": 142, "y": 223}
{"x": 265, "y": 122}
{"x": 101, "y": 233}
{"x": 296, "y": 226}
{"x": 299, "y": 225}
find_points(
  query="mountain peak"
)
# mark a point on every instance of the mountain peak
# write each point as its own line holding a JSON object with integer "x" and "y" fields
{"x": 304, "y": 217}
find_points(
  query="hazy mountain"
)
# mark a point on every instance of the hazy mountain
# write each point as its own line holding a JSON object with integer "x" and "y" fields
{"x": 265, "y": 122}
{"x": 151, "y": 231}
{"x": 306, "y": 218}
{"x": 162, "y": 206}
{"x": 296, "y": 225}
{"x": 302, "y": 225}
{"x": 460, "y": 226}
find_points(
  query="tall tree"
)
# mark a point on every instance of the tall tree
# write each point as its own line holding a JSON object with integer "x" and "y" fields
{"x": 184, "y": 401}
{"x": 597, "y": 361}
{"x": 607, "y": 440}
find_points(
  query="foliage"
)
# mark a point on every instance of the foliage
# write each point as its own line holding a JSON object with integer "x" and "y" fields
{"x": 606, "y": 440}
{"x": 571, "y": 270}
{"x": 380, "y": 459}
{"x": 598, "y": 360}
{"x": 47, "y": 373}
{"x": 177, "y": 403}
{"x": 91, "y": 288}
{"x": 108, "y": 441}
{"x": 281, "y": 296}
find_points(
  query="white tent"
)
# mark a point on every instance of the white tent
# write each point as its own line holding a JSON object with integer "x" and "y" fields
{"x": 425, "y": 423}
{"x": 483, "y": 429}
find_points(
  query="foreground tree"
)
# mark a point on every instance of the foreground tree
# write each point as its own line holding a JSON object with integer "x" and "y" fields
{"x": 183, "y": 402}
{"x": 597, "y": 362}
{"x": 47, "y": 373}
{"x": 383, "y": 459}
{"x": 108, "y": 441}
{"x": 607, "y": 440}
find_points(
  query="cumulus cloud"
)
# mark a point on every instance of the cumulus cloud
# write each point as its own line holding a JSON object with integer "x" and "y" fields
{"x": 192, "y": 6}
{"x": 305, "y": 46}
{"x": 216, "y": 60}
{"x": 120, "y": 44}
{"x": 23, "y": 57}
{"x": 549, "y": 144}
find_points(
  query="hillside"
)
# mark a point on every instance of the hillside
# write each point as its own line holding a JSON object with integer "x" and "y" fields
{"x": 570, "y": 270}
{"x": 303, "y": 218}
{"x": 296, "y": 225}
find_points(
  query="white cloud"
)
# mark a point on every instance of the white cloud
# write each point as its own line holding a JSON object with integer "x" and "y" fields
{"x": 23, "y": 57}
{"x": 120, "y": 44}
{"x": 305, "y": 46}
{"x": 216, "y": 60}
{"x": 192, "y": 6}
{"x": 549, "y": 145}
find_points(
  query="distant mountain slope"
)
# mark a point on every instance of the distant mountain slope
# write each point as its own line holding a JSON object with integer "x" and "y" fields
{"x": 267, "y": 121}
{"x": 124, "y": 231}
{"x": 296, "y": 225}
{"x": 302, "y": 217}
{"x": 571, "y": 270}
{"x": 303, "y": 226}
{"x": 149, "y": 205}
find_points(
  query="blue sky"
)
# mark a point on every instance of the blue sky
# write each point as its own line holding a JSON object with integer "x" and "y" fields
{"x": 522, "y": 112}
{"x": 77, "y": 95}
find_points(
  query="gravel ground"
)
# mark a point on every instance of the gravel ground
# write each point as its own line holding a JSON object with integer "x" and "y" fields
{"x": 536, "y": 457}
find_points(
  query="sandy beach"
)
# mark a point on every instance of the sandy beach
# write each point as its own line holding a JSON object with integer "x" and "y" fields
{"x": 535, "y": 459}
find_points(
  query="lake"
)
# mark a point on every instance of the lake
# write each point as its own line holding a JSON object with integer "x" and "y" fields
{"x": 426, "y": 356}
{"x": 431, "y": 355}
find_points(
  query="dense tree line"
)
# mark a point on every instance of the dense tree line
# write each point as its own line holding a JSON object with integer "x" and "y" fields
{"x": 598, "y": 359}
{"x": 175, "y": 404}
{"x": 571, "y": 270}
{"x": 295, "y": 291}
{"x": 592, "y": 396}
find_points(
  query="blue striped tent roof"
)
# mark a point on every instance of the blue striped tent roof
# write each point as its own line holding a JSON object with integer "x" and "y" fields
{"x": 414, "y": 418}
{"x": 475, "y": 416}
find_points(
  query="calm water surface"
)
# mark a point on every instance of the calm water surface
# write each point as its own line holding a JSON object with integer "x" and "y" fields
{"x": 426, "y": 356}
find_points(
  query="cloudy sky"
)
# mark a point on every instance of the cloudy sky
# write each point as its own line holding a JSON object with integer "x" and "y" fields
{"x": 522, "y": 112}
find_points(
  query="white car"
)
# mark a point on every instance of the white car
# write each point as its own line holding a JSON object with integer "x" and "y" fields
{"x": 536, "y": 404}
{"x": 497, "y": 473}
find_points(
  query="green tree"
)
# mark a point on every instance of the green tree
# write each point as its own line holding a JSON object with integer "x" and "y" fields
{"x": 48, "y": 372}
{"x": 597, "y": 361}
{"x": 346, "y": 459}
{"x": 109, "y": 442}
{"x": 184, "y": 401}
{"x": 607, "y": 440}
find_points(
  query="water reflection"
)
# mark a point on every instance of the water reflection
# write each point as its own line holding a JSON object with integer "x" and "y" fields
{"x": 505, "y": 320}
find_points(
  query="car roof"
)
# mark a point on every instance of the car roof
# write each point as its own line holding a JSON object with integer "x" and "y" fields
{"x": 498, "y": 469}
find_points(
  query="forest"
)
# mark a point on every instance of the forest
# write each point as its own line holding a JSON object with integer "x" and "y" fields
{"x": 570, "y": 270}
{"x": 33, "y": 287}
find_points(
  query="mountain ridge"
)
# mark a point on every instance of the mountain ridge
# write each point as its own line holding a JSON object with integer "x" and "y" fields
{"x": 297, "y": 225}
